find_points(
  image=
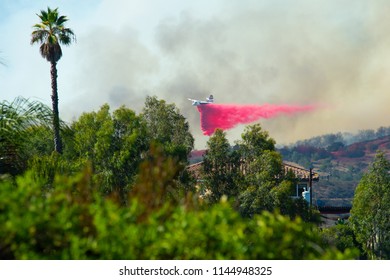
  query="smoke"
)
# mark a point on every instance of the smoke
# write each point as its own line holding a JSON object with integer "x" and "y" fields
{"x": 118, "y": 70}
{"x": 285, "y": 52}
{"x": 248, "y": 52}
{"x": 223, "y": 116}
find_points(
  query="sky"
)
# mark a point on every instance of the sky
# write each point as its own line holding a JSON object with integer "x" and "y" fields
{"x": 331, "y": 53}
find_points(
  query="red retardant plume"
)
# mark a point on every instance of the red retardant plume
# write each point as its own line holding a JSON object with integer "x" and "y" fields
{"x": 225, "y": 116}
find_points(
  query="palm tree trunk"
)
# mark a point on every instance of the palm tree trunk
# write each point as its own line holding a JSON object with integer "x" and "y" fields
{"x": 54, "y": 100}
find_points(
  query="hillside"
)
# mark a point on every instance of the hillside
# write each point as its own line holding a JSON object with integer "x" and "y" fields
{"x": 340, "y": 166}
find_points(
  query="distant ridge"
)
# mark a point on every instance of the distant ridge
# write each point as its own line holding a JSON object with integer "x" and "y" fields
{"x": 340, "y": 167}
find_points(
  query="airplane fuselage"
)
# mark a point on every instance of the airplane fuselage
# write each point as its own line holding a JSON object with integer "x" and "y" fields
{"x": 195, "y": 102}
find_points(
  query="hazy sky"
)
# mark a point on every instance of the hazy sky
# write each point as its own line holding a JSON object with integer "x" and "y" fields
{"x": 332, "y": 53}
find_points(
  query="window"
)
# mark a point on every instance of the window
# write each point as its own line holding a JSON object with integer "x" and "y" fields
{"x": 301, "y": 188}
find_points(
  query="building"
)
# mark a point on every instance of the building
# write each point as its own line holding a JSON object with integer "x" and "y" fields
{"x": 305, "y": 179}
{"x": 302, "y": 189}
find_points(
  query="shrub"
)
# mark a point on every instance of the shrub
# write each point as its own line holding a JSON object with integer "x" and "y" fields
{"x": 73, "y": 221}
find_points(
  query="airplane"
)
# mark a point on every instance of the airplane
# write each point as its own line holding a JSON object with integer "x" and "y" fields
{"x": 209, "y": 100}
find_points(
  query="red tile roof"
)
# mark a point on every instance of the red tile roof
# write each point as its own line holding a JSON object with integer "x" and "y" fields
{"x": 300, "y": 172}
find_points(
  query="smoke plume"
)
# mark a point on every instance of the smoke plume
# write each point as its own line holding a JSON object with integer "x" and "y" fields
{"x": 252, "y": 52}
{"x": 224, "y": 116}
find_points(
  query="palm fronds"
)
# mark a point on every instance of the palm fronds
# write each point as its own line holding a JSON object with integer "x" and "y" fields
{"x": 50, "y": 33}
{"x": 18, "y": 116}
{"x": 18, "y": 119}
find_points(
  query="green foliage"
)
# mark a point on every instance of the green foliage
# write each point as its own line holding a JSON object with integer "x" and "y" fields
{"x": 156, "y": 182}
{"x": 370, "y": 214}
{"x": 251, "y": 174}
{"x": 270, "y": 194}
{"x": 293, "y": 207}
{"x": 19, "y": 120}
{"x": 262, "y": 165}
{"x": 259, "y": 182}
{"x": 114, "y": 144}
{"x": 220, "y": 233}
{"x": 50, "y": 33}
{"x": 166, "y": 126}
{"x": 20, "y": 114}
{"x": 266, "y": 167}
{"x": 35, "y": 224}
{"x": 254, "y": 142}
{"x": 265, "y": 186}
{"x": 220, "y": 168}
{"x": 254, "y": 200}
{"x": 73, "y": 221}
{"x": 56, "y": 210}
{"x": 44, "y": 215}
{"x": 341, "y": 236}
{"x": 44, "y": 168}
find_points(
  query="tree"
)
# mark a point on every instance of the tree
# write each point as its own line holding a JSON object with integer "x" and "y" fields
{"x": 167, "y": 126}
{"x": 265, "y": 186}
{"x": 19, "y": 119}
{"x": 341, "y": 235}
{"x": 50, "y": 33}
{"x": 264, "y": 175}
{"x": 254, "y": 142}
{"x": 220, "y": 167}
{"x": 262, "y": 166}
{"x": 370, "y": 213}
{"x": 114, "y": 143}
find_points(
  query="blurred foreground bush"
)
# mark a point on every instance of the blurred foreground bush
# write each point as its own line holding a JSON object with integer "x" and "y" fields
{"x": 73, "y": 221}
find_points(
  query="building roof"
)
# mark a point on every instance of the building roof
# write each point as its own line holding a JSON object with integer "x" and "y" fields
{"x": 195, "y": 169}
{"x": 300, "y": 172}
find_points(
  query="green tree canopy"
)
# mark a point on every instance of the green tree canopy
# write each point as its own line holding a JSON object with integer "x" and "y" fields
{"x": 167, "y": 126}
{"x": 262, "y": 166}
{"x": 370, "y": 213}
{"x": 342, "y": 236}
{"x": 254, "y": 141}
{"x": 265, "y": 186}
{"x": 114, "y": 143}
{"x": 258, "y": 155}
{"x": 220, "y": 167}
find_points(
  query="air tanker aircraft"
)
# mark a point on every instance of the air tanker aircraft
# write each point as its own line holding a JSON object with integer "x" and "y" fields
{"x": 209, "y": 100}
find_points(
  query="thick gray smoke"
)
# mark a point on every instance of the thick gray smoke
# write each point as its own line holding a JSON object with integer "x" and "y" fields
{"x": 329, "y": 53}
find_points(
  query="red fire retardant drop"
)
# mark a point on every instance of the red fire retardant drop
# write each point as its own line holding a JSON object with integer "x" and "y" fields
{"x": 225, "y": 116}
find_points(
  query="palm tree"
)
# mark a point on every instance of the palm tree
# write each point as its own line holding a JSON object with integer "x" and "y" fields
{"x": 50, "y": 33}
{"x": 18, "y": 119}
